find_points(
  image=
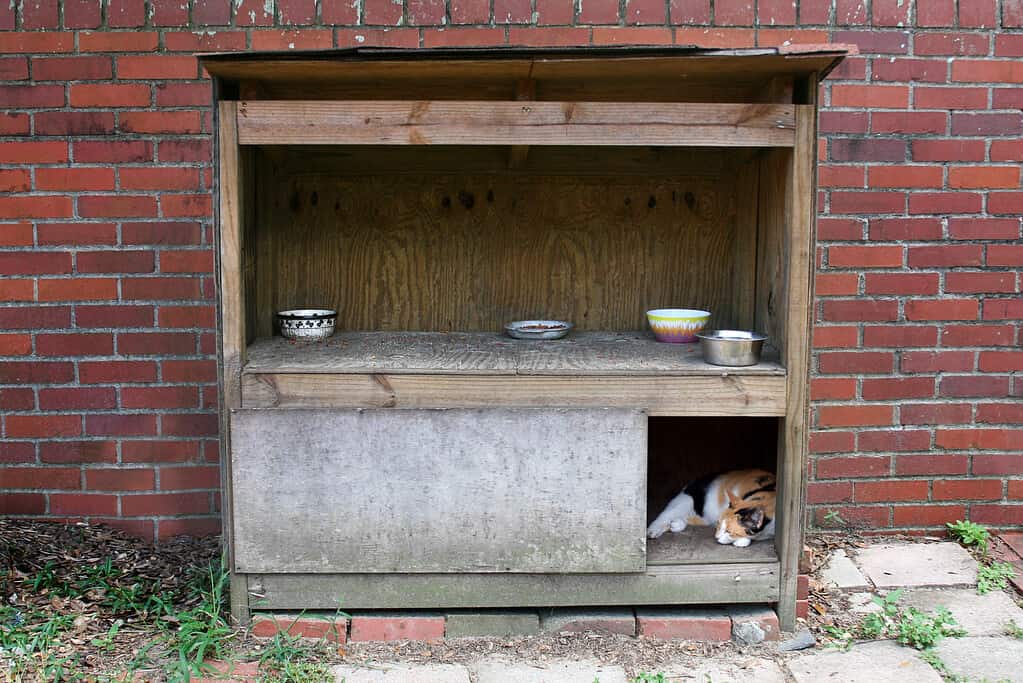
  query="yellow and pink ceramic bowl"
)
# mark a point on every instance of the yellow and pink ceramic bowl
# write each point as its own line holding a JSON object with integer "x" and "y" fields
{"x": 677, "y": 325}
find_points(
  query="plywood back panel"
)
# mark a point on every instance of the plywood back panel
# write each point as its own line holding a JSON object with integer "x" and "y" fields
{"x": 493, "y": 490}
{"x": 471, "y": 251}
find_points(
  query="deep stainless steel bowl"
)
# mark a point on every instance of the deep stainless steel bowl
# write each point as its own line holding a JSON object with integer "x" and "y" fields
{"x": 734, "y": 348}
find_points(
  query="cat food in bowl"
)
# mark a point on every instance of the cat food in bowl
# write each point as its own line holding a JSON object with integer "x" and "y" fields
{"x": 677, "y": 325}
{"x": 734, "y": 348}
{"x": 307, "y": 323}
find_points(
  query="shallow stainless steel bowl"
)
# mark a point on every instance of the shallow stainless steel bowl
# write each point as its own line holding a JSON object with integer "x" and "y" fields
{"x": 734, "y": 348}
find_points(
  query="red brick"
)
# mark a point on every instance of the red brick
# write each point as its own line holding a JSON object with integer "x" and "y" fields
{"x": 545, "y": 36}
{"x": 854, "y": 416}
{"x": 967, "y": 123}
{"x": 119, "y": 41}
{"x": 85, "y": 68}
{"x": 78, "y": 451}
{"x": 836, "y": 284}
{"x": 159, "y": 451}
{"x": 183, "y": 95}
{"x": 908, "y": 123}
{"x": 161, "y": 122}
{"x": 984, "y": 228}
{"x": 945, "y": 202}
{"x": 839, "y": 229}
{"x": 854, "y": 362}
{"x": 889, "y": 491}
{"x": 77, "y": 289}
{"x": 166, "y": 232}
{"x": 116, "y": 206}
{"x": 304, "y": 627}
{"x": 126, "y": 13}
{"x": 39, "y": 426}
{"x": 950, "y": 98}
{"x": 16, "y": 290}
{"x": 962, "y": 386}
{"x": 632, "y": 35}
{"x": 689, "y": 624}
{"x": 977, "y": 335}
{"x": 165, "y": 178}
{"x": 34, "y": 317}
{"x": 889, "y": 441}
{"x": 347, "y": 13}
{"x": 382, "y": 12}
{"x": 861, "y": 310}
{"x": 386, "y": 37}
{"x": 975, "y": 489}
{"x": 31, "y": 41}
{"x": 35, "y": 372}
{"x": 841, "y": 176}
{"x": 40, "y": 478}
{"x": 864, "y": 149}
{"x": 423, "y": 12}
{"x": 189, "y": 206}
{"x": 942, "y": 309}
{"x": 966, "y": 282}
{"x": 120, "y": 425}
{"x": 849, "y": 467}
{"x": 927, "y": 515}
{"x": 997, "y": 255}
{"x": 183, "y": 478}
{"x": 867, "y": 202}
{"x": 114, "y": 316}
{"x": 937, "y": 361}
{"x": 187, "y": 317}
{"x": 900, "y": 336}
{"x": 74, "y": 345}
{"x": 304, "y": 39}
{"x": 952, "y": 44}
{"x": 73, "y": 123}
{"x": 75, "y": 178}
{"x": 829, "y": 492}
{"x": 645, "y": 12}
{"x": 189, "y": 371}
{"x": 211, "y": 12}
{"x": 201, "y": 527}
{"x": 919, "y": 465}
{"x": 865, "y": 256}
{"x": 1011, "y": 464}
{"x": 873, "y": 96}
{"x": 107, "y": 372}
{"x": 39, "y": 14}
{"x": 160, "y": 397}
{"x": 113, "y": 151}
{"x": 16, "y": 235}
{"x": 997, "y": 515}
{"x": 121, "y": 479}
{"x": 462, "y": 36}
{"x": 548, "y": 12}
{"x": 844, "y": 121}
{"x": 832, "y": 442}
{"x": 982, "y": 177}
{"x": 1010, "y": 203}
{"x": 830, "y": 388}
{"x": 35, "y": 152}
{"x": 1001, "y": 361}
{"x": 945, "y": 255}
{"x": 82, "y": 14}
{"x": 34, "y": 207}
{"x": 22, "y": 504}
{"x": 76, "y": 398}
{"x": 15, "y": 180}
{"x": 835, "y": 337}
{"x": 881, "y": 389}
{"x": 82, "y": 504}
{"x": 17, "y": 399}
{"x": 1007, "y": 150}
{"x": 160, "y": 288}
{"x": 156, "y": 343}
{"x": 1015, "y": 489}
{"x": 134, "y": 261}
{"x": 187, "y": 261}
{"x": 191, "y": 424}
{"x": 901, "y": 283}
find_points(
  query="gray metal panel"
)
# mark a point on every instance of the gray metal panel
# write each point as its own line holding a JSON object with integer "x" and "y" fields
{"x": 485, "y": 490}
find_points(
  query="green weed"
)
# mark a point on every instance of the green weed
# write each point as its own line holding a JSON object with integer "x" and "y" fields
{"x": 969, "y": 534}
{"x": 912, "y": 627}
{"x": 1012, "y": 629}
{"x": 834, "y": 519}
{"x": 645, "y": 677}
{"x": 932, "y": 658}
{"x": 994, "y": 576}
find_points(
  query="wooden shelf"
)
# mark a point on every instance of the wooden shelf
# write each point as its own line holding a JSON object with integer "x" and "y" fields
{"x": 696, "y": 545}
{"x": 487, "y": 370}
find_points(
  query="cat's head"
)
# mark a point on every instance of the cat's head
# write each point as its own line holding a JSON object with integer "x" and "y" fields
{"x": 742, "y": 519}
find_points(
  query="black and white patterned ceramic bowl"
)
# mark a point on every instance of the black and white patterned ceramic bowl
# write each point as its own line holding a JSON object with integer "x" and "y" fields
{"x": 307, "y": 323}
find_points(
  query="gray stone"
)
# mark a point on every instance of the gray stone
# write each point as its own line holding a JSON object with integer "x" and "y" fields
{"x": 983, "y": 659}
{"x": 917, "y": 564}
{"x": 980, "y": 615}
{"x": 863, "y": 603}
{"x": 476, "y": 624}
{"x": 402, "y": 673}
{"x": 879, "y": 662}
{"x": 753, "y": 624}
{"x": 747, "y": 632}
{"x": 840, "y": 572}
{"x": 621, "y": 621}
{"x": 499, "y": 671}
{"x": 800, "y": 640}
{"x": 760, "y": 670}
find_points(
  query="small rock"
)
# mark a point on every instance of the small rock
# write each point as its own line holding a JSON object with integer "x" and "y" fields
{"x": 800, "y": 640}
{"x": 748, "y": 633}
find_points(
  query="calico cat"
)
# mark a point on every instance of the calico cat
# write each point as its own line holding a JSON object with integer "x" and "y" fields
{"x": 739, "y": 503}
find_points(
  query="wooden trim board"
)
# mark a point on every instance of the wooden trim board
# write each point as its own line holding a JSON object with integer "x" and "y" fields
{"x": 685, "y": 396}
{"x": 366, "y": 122}
{"x": 661, "y": 585}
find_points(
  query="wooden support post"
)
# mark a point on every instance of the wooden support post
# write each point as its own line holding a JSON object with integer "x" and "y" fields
{"x": 525, "y": 91}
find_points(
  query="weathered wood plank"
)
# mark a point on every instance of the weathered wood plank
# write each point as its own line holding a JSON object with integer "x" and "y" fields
{"x": 794, "y": 436}
{"x": 439, "y": 491}
{"x": 490, "y": 353}
{"x": 664, "y": 585}
{"x": 696, "y": 545}
{"x": 377, "y": 122}
{"x": 685, "y": 396}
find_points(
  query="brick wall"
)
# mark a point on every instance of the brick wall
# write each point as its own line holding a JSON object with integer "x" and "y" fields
{"x": 107, "y": 319}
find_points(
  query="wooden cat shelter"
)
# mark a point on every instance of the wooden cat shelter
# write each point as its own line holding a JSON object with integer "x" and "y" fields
{"x": 419, "y": 459}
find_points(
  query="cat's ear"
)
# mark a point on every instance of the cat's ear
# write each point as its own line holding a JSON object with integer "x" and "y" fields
{"x": 733, "y": 500}
{"x": 756, "y": 519}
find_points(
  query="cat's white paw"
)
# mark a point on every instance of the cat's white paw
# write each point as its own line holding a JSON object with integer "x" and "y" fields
{"x": 677, "y": 525}
{"x": 741, "y": 542}
{"x": 655, "y": 532}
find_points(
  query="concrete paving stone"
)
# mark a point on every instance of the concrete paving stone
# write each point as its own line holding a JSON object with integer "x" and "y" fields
{"x": 841, "y": 572}
{"x": 879, "y": 662}
{"x": 983, "y": 659}
{"x": 905, "y": 565}
{"x": 500, "y": 671}
{"x": 479, "y": 624}
{"x": 980, "y": 615}
{"x": 621, "y": 621}
{"x": 716, "y": 671}
{"x": 399, "y": 673}
{"x": 863, "y": 603}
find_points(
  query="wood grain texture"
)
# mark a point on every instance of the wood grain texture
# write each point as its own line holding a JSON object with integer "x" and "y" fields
{"x": 657, "y": 396}
{"x": 774, "y": 211}
{"x": 492, "y": 490}
{"x": 798, "y": 325}
{"x": 696, "y": 545}
{"x": 440, "y": 122}
{"x": 659, "y": 585}
{"x": 472, "y": 252}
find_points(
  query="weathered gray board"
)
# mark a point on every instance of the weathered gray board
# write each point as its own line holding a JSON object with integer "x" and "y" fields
{"x": 484, "y": 490}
